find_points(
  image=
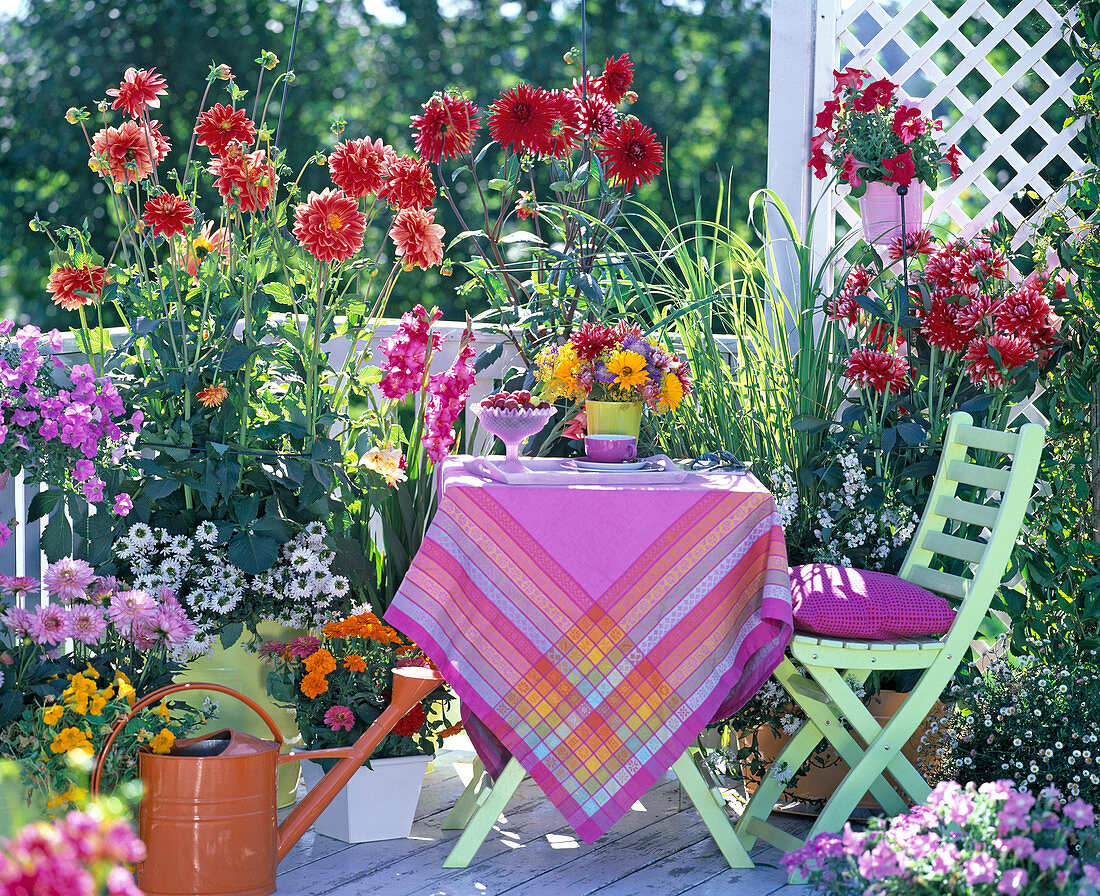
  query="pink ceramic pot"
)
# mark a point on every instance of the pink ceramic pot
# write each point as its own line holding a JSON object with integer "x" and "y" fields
{"x": 880, "y": 209}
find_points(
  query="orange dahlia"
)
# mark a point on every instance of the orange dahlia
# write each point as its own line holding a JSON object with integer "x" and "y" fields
{"x": 330, "y": 225}
{"x": 74, "y": 288}
{"x": 410, "y": 184}
{"x": 220, "y": 125}
{"x": 124, "y": 152}
{"x": 523, "y": 119}
{"x": 212, "y": 396}
{"x": 447, "y": 128}
{"x": 360, "y": 167}
{"x": 168, "y": 215}
{"x": 630, "y": 152}
{"x": 418, "y": 239}
{"x": 244, "y": 179}
{"x": 139, "y": 88}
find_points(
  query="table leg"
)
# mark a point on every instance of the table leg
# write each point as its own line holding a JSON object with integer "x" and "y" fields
{"x": 467, "y": 803}
{"x": 482, "y": 821}
{"x": 713, "y": 811}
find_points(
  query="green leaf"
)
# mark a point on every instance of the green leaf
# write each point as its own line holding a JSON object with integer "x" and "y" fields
{"x": 43, "y": 503}
{"x": 912, "y": 433}
{"x": 230, "y": 634}
{"x": 56, "y": 540}
{"x": 252, "y": 553}
{"x": 488, "y": 357}
{"x": 159, "y": 489}
{"x": 275, "y": 527}
{"x": 369, "y": 375}
{"x": 808, "y": 423}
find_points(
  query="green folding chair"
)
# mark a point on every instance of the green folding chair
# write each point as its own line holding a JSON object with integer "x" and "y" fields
{"x": 973, "y": 515}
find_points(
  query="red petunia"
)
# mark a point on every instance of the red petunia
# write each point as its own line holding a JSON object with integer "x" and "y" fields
{"x": 522, "y": 119}
{"x": 592, "y": 339}
{"x": 818, "y": 161}
{"x": 360, "y": 167}
{"x": 953, "y": 160}
{"x": 917, "y": 242}
{"x": 139, "y": 88}
{"x": 220, "y": 125}
{"x": 900, "y": 168}
{"x": 168, "y": 215}
{"x": 74, "y": 288}
{"x": 881, "y": 371}
{"x": 852, "y": 78}
{"x": 908, "y": 124}
{"x": 412, "y": 722}
{"x": 1024, "y": 312}
{"x": 246, "y": 180}
{"x": 124, "y": 152}
{"x": 850, "y": 170}
{"x": 410, "y": 184}
{"x": 941, "y": 327}
{"x": 878, "y": 93}
{"x": 630, "y": 152}
{"x": 447, "y": 128}
{"x": 981, "y": 367}
{"x": 824, "y": 120}
{"x": 567, "y": 123}
{"x": 596, "y": 114}
{"x": 419, "y": 240}
{"x": 330, "y": 226}
{"x": 618, "y": 74}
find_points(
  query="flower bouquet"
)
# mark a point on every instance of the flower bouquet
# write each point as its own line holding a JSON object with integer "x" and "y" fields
{"x": 340, "y": 683}
{"x": 992, "y": 839}
{"x": 612, "y": 367}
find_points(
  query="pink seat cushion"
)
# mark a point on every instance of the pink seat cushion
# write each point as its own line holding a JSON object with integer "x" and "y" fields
{"x": 859, "y": 603}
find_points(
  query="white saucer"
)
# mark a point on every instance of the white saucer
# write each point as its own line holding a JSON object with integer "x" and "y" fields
{"x": 593, "y": 466}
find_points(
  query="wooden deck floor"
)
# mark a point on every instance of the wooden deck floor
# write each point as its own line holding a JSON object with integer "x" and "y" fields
{"x": 660, "y": 847}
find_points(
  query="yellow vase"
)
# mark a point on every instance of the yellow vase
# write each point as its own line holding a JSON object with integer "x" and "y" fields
{"x": 247, "y": 673}
{"x": 623, "y": 418}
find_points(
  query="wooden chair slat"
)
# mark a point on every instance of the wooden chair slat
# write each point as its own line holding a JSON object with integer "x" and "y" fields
{"x": 941, "y": 582}
{"x": 951, "y": 546}
{"x": 987, "y": 439}
{"x": 979, "y": 475}
{"x": 966, "y": 511}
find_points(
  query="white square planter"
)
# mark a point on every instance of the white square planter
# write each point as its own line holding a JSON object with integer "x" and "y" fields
{"x": 376, "y": 804}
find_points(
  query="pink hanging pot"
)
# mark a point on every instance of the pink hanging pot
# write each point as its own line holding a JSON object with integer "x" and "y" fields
{"x": 880, "y": 209}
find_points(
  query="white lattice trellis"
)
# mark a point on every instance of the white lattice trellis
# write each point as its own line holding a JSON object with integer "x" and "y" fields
{"x": 891, "y": 40}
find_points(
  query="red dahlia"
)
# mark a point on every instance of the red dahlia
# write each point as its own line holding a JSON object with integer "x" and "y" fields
{"x": 618, "y": 74}
{"x": 630, "y": 152}
{"x": 419, "y": 240}
{"x": 244, "y": 179}
{"x": 567, "y": 123}
{"x": 592, "y": 339}
{"x": 158, "y": 141}
{"x": 447, "y": 128}
{"x": 879, "y": 370}
{"x": 976, "y": 264}
{"x": 844, "y": 308}
{"x": 522, "y": 119}
{"x": 410, "y": 184}
{"x": 360, "y": 167}
{"x": 918, "y": 242}
{"x": 1025, "y": 312}
{"x": 983, "y": 369}
{"x": 124, "y": 152}
{"x": 980, "y": 316}
{"x": 330, "y": 226}
{"x": 596, "y": 114}
{"x": 941, "y": 327}
{"x": 938, "y": 270}
{"x": 74, "y": 288}
{"x": 168, "y": 215}
{"x": 139, "y": 88}
{"x": 220, "y": 125}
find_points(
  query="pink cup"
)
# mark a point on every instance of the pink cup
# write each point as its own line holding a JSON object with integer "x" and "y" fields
{"x": 610, "y": 449}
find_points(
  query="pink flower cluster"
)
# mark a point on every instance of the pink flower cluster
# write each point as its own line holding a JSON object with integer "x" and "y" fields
{"x": 447, "y": 394}
{"x": 407, "y": 352}
{"x": 89, "y": 604}
{"x": 35, "y": 413}
{"x": 82, "y": 854}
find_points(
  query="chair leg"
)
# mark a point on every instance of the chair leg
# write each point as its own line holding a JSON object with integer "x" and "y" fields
{"x": 712, "y": 809}
{"x": 467, "y": 803}
{"x": 482, "y": 821}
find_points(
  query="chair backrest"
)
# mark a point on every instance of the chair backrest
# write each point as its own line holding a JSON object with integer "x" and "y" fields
{"x": 993, "y": 505}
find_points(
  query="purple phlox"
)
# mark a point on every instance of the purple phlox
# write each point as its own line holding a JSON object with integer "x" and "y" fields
{"x": 1015, "y": 813}
{"x": 945, "y": 860}
{"x": 1080, "y": 813}
{"x": 1018, "y": 845}
{"x": 1014, "y": 880}
{"x": 880, "y": 862}
{"x": 980, "y": 868}
{"x": 1050, "y": 858}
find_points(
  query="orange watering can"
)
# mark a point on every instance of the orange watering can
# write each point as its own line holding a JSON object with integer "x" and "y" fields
{"x": 208, "y": 814}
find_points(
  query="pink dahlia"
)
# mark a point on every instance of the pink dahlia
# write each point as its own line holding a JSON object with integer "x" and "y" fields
{"x": 69, "y": 579}
{"x": 49, "y": 625}
{"x": 419, "y": 240}
{"x": 128, "y": 609}
{"x": 879, "y": 370}
{"x": 139, "y": 88}
{"x": 330, "y": 225}
{"x": 918, "y": 242}
{"x": 87, "y": 624}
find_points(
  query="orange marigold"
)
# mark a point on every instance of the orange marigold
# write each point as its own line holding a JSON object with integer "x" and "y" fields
{"x": 313, "y": 685}
{"x": 320, "y": 662}
{"x": 355, "y": 663}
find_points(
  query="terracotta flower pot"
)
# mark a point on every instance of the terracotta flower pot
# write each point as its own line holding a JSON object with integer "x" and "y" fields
{"x": 622, "y": 418}
{"x": 818, "y": 784}
{"x": 880, "y": 210}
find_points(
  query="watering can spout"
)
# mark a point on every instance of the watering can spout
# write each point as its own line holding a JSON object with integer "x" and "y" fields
{"x": 410, "y": 685}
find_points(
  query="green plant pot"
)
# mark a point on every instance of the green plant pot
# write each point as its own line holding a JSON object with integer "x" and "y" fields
{"x": 246, "y": 672}
{"x": 15, "y": 811}
{"x": 623, "y": 418}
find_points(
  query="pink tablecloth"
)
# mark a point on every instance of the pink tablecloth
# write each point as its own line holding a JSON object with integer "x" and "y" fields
{"x": 595, "y": 629}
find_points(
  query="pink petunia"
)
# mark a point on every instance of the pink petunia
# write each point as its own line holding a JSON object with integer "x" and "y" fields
{"x": 122, "y": 504}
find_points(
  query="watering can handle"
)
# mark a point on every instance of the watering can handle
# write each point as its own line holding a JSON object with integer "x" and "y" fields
{"x": 160, "y": 693}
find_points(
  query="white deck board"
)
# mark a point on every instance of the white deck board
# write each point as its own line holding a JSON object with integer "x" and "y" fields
{"x": 660, "y": 847}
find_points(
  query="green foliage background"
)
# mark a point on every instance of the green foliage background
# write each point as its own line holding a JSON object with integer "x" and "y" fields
{"x": 701, "y": 75}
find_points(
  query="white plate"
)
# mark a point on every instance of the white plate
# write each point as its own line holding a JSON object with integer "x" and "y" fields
{"x": 594, "y": 466}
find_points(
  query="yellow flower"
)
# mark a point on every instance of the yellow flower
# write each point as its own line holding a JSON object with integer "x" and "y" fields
{"x": 628, "y": 368}
{"x": 97, "y": 703}
{"x": 162, "y": 743}
{"x": 672, "y": 393}
{"x": 52, "y": 714}
{"x": 71, "y": 739}
{"x": 90, "y": 672}
{"x": 73, "y": 795}
{"x": 162, "y": 710}
{"x": 125, "y": 689}
{"x": 386, "y": 461}
{"x": 558, "y": 368}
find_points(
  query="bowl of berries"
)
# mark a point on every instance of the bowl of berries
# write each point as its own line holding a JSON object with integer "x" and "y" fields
{"x": 512, "y": 417}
